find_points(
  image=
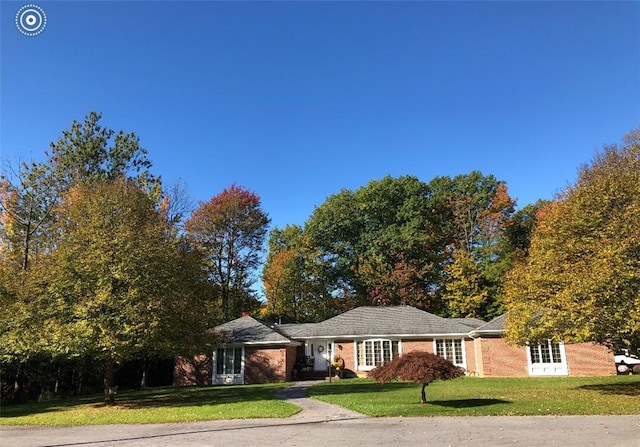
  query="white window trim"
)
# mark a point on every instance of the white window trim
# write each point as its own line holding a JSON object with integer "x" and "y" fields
{"x": 551, "y": 368}
{"x": 462, "y": 346}
{"x": 360, "y": 367}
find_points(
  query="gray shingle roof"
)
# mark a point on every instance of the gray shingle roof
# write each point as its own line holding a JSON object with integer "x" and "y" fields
{"x": 379, "y": 321}
{"x": 248, "y": 330}
{"x": 495, "y": 326}
{"x": 471, "y": 322}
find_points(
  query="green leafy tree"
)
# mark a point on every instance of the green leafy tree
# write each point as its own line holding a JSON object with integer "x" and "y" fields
{"x": 27, "y": 199}
{"x": 334, "y": 230}
{"x": 380, "y": 243}
{"x": 440, "y": 246}
{"x": 38, "y": 227}
{"x": 581, "y": 280}
{"x": 87, "y": 151}
{"x": 478, "y": 217}
{"x": 119, "y": 283}
{"x": 418, "y": 367}
{"x": 519, "y": 232}
{"x": 230, "y": 230}
{"x": 293, "y": 280}
{"x": 466, "y": 290}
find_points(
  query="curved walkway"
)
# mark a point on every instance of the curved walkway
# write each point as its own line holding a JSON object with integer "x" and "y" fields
{"x": 312, "y": 409}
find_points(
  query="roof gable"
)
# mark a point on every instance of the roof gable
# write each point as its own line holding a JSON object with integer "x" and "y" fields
{"x": 495, "y": 327}
{"x": 248, "y": 330}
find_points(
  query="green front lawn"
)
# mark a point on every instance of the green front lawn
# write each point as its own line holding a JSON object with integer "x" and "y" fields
{"x": 470, "y": 396}
{"x": 156, "y": 405}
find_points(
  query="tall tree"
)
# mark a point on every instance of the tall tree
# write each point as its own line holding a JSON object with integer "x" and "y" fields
{"x": 119, "y": 283}
{"x": 230, "y": 229}
{"x": 27, "y": 199}
{"x": 293, "y": 279}
{"x": 90, "y": 151}
{"x": 479, "y": 211}
{"x": 380, "y": 243}
{"x": 87, "y": 151}
{"x": 38, "y": 228}
{"x": 581, "y": 280}
{"x": 521, "y": 228}
{"x": 439, "y": 246}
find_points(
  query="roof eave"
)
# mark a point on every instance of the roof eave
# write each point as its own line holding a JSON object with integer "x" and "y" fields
{"x": 404, "y": 336}
{"x": 262, "y": 343}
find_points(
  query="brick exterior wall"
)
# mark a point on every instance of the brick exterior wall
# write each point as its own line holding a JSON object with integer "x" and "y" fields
{"x": 500, "y": 359}
{"x": 192, "y": 370}
{"x": 417, "y": 345}
{"x": 587, "y": 359}
{"x": 470, "y": 355}
{"x": 495, "y": 358}
{"x": 263, "y": 365}
{"x": 346, "y": 350}
{"x": 292, "y": 356}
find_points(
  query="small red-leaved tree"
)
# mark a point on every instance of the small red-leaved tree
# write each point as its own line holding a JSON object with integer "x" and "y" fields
{"x": 419, "y": 367}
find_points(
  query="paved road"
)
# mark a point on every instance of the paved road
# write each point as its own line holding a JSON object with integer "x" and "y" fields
{"x": 320, "y": 424}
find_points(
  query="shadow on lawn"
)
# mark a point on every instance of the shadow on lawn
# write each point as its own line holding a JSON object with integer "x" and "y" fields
{"x": 624, "y": 389}
{"x": 153, "y": 398}
{"x": 468, "y": 403}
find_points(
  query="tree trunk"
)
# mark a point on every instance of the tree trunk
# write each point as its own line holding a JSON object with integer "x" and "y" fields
{"x": 109, "y": 390}
{"x": 423, "y": 394}
{"x": 143, "y": 380}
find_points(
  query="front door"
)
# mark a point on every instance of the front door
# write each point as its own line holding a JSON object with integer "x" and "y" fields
{"x": 319, "y": 350}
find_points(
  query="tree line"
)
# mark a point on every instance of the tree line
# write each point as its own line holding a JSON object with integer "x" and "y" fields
{"x": 101, "y": 263}
{"x": 442, "y": 246}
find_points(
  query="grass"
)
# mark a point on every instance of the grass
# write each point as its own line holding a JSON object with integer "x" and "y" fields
{"x": 156, "y": 405}
{"x": 471, "y": 396}
{"x": 466, "y": 396}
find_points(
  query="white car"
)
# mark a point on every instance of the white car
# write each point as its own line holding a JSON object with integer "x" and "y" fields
{"x": 626, "y": 361}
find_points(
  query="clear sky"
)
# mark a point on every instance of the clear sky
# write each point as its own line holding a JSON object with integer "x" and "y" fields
{"x": 296, "y": 100}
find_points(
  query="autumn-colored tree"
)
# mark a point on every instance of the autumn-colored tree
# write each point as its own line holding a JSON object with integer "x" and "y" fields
{"x": 119, "y": 283}
{"x": 40, "y": 239}
{"x": 479, "y": 211}
{"x": 230, "y": 229}
{"x": 581, "y": 280}
{"x": 419, "y": 367}
{"x": 466, "y": 289}
{"x": 87, "y": 151}
{"x": 27, "y": 199}
{"x": 283, "y": 275}
{"x": 293, "y": 277}
{"x": 401, "y": 241}
{"x": 399, "y": 284}
{"x": 381, "y": 242}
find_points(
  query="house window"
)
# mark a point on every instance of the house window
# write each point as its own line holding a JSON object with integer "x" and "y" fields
{"x": 372, "y": 353}
{"x": 452, "y": 350}
{"x": 547, "y": 359}
{"x": 229, "y": 361}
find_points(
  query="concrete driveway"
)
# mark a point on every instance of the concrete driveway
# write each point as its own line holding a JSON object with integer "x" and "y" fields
{"x": 320, "y": 424}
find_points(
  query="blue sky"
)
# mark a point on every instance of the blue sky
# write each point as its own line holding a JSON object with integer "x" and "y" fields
{"x": 296, "y": 100}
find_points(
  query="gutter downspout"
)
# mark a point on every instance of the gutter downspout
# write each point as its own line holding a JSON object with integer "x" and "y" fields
{"x": 477, "y": 349}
